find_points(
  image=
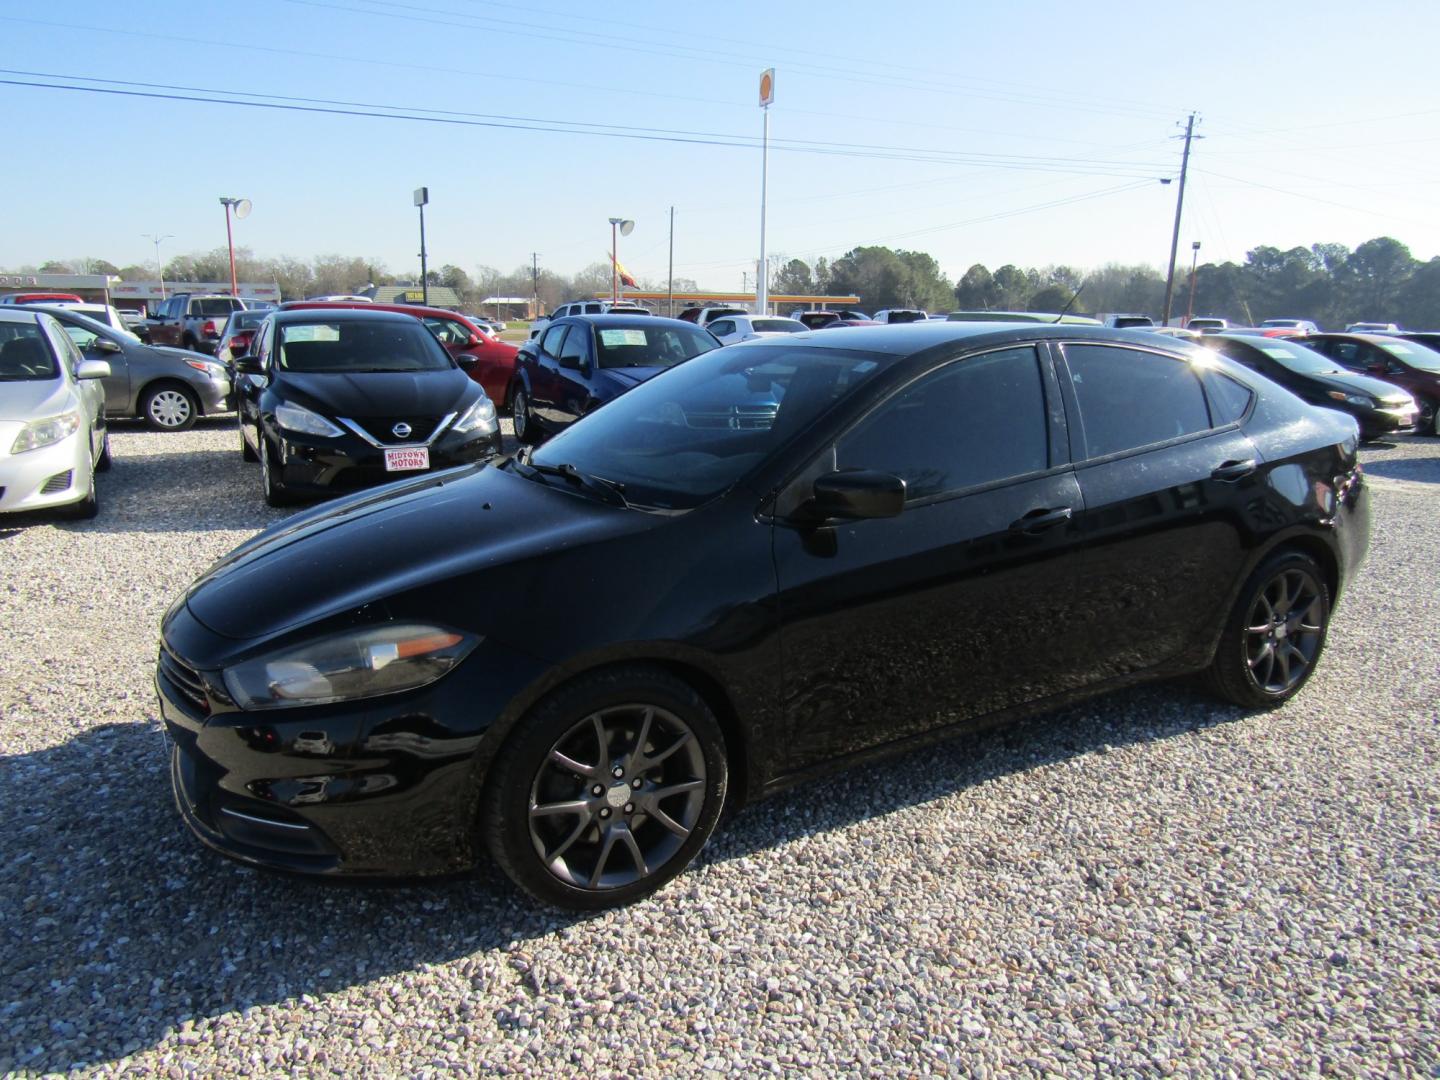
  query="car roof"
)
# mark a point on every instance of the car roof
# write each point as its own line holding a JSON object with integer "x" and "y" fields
{"x": 366, "y": 305}
{"x": 626, "y": 320}
{"x": 20, "y": 313}
{"x": 906, "y": 339}
{"x": 338, "y": 314}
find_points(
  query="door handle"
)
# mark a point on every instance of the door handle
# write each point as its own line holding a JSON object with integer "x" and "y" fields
{"x": 1037, "y": 521}
{"x": 1230, "y": 471}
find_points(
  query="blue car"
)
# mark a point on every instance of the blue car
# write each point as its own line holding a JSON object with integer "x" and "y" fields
{"x": 582, "y": 361}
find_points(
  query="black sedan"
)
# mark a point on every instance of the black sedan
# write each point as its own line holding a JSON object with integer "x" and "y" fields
{"x": 1379, "y": 407}
{"x": 582, "y": 361}
{"x": 331, "y": 401}
{"x": 574, "y": 658}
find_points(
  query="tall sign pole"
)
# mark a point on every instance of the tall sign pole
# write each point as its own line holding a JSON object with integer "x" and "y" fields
{"x": 1179, "y": 205}
{"x": 614, "y": 263}
{"x": 762, "y": 278}
{"x": 670, "y": 289}
{"x": 422, "y": 196}
{"x": 242, "y": 211}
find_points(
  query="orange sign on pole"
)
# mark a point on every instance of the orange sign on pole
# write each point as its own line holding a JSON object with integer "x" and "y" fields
{"x": 767, "y": 87}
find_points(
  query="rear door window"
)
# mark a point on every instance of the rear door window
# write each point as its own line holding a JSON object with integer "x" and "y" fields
{"x": 550, "y": 343}
{"x": 1129, "y": 398}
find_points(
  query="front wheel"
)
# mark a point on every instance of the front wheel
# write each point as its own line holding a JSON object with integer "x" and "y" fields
{"x": 607, "y": 789}
{"x": 104, "y": 461}
{"x": 275, "y": 493}
{"x": 1275, "y": 633}
{"x": 169, "y": 408}
{"x": 520, "y": 416}
{"x": 1429, "y": 417}
{"x": 246, "y": 453}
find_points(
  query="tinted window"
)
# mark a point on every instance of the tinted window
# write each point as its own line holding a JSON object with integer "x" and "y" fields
{"x": 973, "y": 422}
{"x": 551, "y": 342}
{"x": 360, "y": 347}
{"x": 1228, "y": 398}
{"x": 577, "y": 345}
{"x": 215, "y": 306}
{"x": 650, "y": 346}
{"x": 721, "y": 327}
{"x": 776, "y": 326}
{"x": 24, "y": 356}
{"x": 1131, "y": 398}
{"x": 449, "y": 331}
{"x": 1419, "y": 356}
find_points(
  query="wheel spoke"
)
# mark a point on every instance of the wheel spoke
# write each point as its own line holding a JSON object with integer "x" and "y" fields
{"x": 675, "y": 789}
{"x": 604, "y": 857}
{"x": 667, "y": 821}
{"x": 1282, "y": 657}
{"x": 676, "y": 745}
{"x": 551, "y": 809}
{"x": 638, "y": 755}
{"x": 1301, "y": 661}
{"x": 565, "y": 845}
{"x": 1281, "y": 603}
{"x": 634, "y": 846}
{"x": 1266, "y": 652}
{"x": 567, "y": 762}
{"x": 603, "y": 742}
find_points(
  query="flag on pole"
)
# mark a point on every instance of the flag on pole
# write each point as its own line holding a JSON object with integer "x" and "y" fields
{"x": 625, "y": 278}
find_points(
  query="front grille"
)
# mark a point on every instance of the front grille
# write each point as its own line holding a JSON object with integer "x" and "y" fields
{"x": 185, "y": 681}
{"x": 57, "y": 483}
{"x": 382, "y": 428}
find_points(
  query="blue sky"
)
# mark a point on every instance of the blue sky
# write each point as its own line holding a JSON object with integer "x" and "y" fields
{"x": 1032, "y": 132}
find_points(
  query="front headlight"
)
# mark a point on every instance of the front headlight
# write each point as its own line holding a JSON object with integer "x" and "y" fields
{"x": 478, "y": 417}
{"x": 47, "y": 432}
{"x": 299, "y": 419}
{"x": 215, "y": 371}
{"x": 1353, "y": 399}
{"x": 347, "y": 666}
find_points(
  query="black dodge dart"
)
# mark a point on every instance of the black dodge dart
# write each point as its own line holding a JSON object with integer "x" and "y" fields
{"x": 576, "y": 657}
{"x": 331, "y": 401}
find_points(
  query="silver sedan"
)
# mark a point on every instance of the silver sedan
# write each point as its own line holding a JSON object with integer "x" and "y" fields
{"x": 52, "y": 417}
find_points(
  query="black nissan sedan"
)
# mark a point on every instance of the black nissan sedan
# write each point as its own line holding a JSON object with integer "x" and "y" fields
{"x": 576, "y": 657}
{"x": 1379, "y": 407}
{"x": 331, "y": 401}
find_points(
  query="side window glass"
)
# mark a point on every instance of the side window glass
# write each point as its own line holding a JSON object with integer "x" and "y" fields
{"x": 973, "y": 422}
{"x": 1229, "y": 399}
{"x": 263, "y": 352}
{"x": 721, "y": 327}
{"x": 576, "y": 346}
{"x": 1130, "y": 398}
{"x": 62, "y": 345}
{"x": 550, "y": 343}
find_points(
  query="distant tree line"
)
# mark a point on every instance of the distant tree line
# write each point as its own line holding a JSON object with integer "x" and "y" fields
{"x": 1378, "y": 281}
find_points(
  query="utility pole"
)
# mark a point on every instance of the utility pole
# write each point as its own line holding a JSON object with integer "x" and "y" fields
{"x": 535, "y": 282}
{"x": 1175, "y": 235}
{"x": 422, "y": 196}
{"x": 670, "y": 289}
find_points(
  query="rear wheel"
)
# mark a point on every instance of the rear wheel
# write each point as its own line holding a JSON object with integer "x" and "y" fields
{"x": 1275, "y": 633}
{"x": 607, "y": 789}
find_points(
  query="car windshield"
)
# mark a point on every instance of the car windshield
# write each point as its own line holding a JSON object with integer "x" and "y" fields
{"x": 353, "y": 346}
{"x": 1417, "y": 356}
{"x": 24, "y": 356}
{"x": 689, "y": 434}
{"x": 1297, "y": 358}
{"x": 650, "y": 346}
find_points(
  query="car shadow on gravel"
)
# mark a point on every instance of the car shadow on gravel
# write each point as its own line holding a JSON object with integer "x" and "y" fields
{"x": 118, "y": 930}
{"x": 1415, "y": 469}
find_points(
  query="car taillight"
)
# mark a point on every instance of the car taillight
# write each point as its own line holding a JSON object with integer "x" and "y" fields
{"x": 239, "y": 343}
{"x": 209, "y": 328}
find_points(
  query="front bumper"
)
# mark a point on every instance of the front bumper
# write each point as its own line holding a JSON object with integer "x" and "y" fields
{"x": 381, "y": 788}
{"x": 55, "y": 475}
{"x": 1386, "y": 421}
{"x": 312, "y": 465}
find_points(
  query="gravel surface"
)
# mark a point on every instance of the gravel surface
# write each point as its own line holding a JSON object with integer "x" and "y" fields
{"x": 1143, "y": 883}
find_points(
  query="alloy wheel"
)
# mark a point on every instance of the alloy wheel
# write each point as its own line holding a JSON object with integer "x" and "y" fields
{"x": 1284, "y": 630}
{"x": 519, "y": 415}
{"x": 617, "y": 796}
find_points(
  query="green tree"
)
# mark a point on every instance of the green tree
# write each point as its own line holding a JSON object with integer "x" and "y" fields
{"x": 975, "y": 291}
{"x": 1375, "y": 274}
{"x": 794, "y": 277}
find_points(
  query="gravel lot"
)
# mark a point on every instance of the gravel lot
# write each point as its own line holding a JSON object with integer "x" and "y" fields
{"x": 1144, "y": 883}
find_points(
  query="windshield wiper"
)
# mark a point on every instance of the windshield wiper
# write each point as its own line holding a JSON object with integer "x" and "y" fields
{"x": 612, "y": 491}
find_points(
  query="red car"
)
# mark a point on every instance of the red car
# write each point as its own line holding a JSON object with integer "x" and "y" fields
{"x": 487, "y": 360}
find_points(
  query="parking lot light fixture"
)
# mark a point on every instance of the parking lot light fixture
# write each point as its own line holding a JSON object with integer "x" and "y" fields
{"x": 625, "y": 227}
{"x": 241, "y": 209}
{"x": 155, "y": 238}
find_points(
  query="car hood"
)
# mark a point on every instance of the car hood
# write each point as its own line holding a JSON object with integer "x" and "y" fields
{"x": 373, "y": 546}
{"x": 170, "y": 353}
{"x": 1351, "y": 382}
{"x": 380, "y": 393}
{"x": 21, "y": 402}
{"x": 626, "y": 377}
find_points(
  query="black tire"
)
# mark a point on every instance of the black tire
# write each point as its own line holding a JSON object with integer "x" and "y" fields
{"x": 594, "y": 851}
{"x": 520, "y": 416}
{"x": 1280, "y": 620}
{"x": 189, "y": 342}
{"x": 169, "y": 407}
{"x": 104, "y": 461}
{"x": 275, "y": 493}
{"x": 246, "y": 453}
{"x": 1429, "y": 421}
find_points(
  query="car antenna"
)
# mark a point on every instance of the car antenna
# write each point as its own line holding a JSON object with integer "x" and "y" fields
{"x": 1066, "y": 309}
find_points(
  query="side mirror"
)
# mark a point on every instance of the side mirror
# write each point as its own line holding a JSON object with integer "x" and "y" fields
{"x": 858, "y": 494}
{"x": 92, "y": 369}
{"x": 248, "y": 365}
{"x": 475, "y": 339}
{"x": 571, "y": 363}
{"x": 101, "y": 344}
{"x": 465, "y": 360}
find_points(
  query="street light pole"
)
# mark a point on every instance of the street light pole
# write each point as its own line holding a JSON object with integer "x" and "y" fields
{"x": 422, "y": 196}
{"x": 762, "y": 275}
{"x": 614, "y": 264}
{"x": 1194, "y": 258}
{"x": 159, "y": 269}
{"x": 241, "y": 208}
